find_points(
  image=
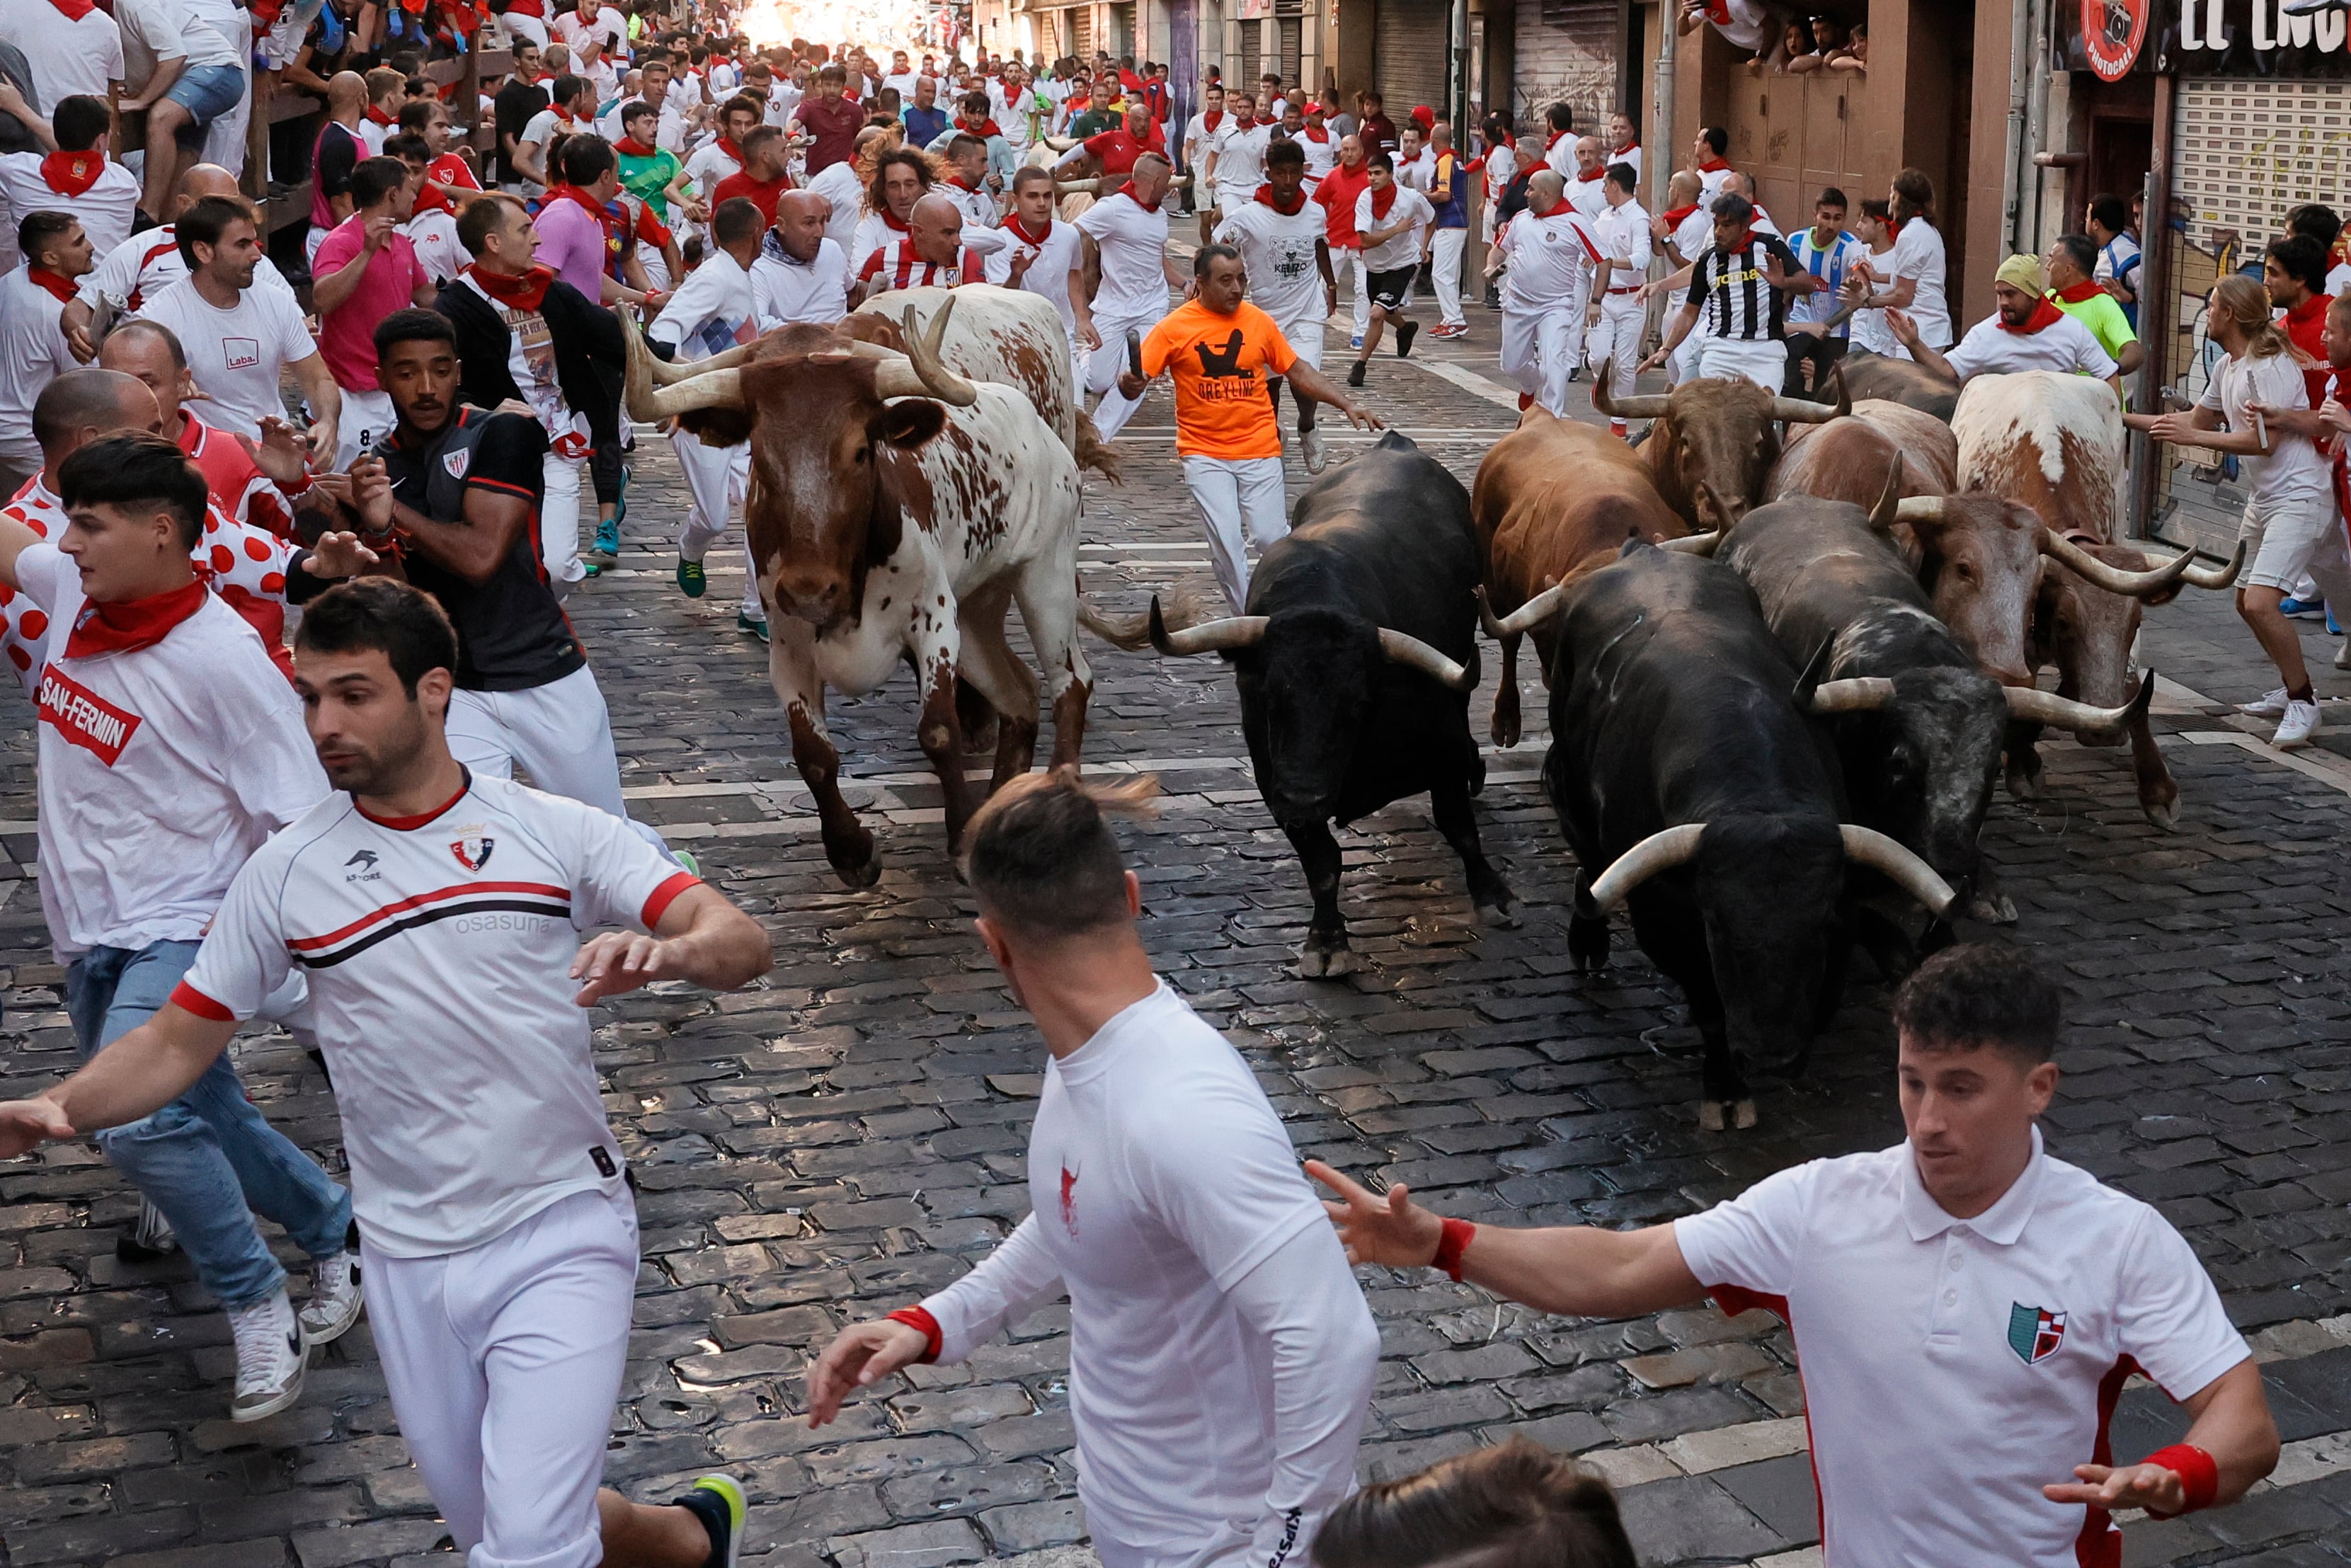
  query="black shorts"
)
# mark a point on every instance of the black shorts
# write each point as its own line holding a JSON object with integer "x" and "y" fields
{"x": 1390, "y": 291}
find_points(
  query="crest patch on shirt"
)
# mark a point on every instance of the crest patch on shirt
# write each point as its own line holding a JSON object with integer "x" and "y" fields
{"x": 457, "y": 461}
{"x": 472, "y": 847}
{"x": 2034, "y": 1333}
{"x": 1069, "y": 1202}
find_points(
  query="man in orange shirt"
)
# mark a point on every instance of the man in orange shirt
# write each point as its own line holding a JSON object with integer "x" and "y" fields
{"x": 1220, "y": 350}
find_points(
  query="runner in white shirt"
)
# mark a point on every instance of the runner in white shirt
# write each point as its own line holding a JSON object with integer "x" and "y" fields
{"x": 711, "y": 312}
{"x": 1221, "y": 1357}
{"x": 1129, "y": 233}
{"x": 1623, "y": 142}
{"x": 2026, "y": 333}
{"x": 1687, "y": 227}
{"x": 184, "y": 73}
{"x": 79, "y": 178}
{"x": 723, "y": 155}
{"x": 1583, "y": 186}
{"x": 801, "y": 275}
{"x": 72, "y": 49}
{"x": 1391, "y": 219}
{"x": 1912, "y": 276}
{"x": 591, "y": 20}
{"x": 842, "y": 191}
{"x": 170, "y": 748}
{"x": 240, "y": 338}
{"x": 1550, "y": 253}
{"x": 1617, "y": 313}
{"x": 1043, "y": 254}
{"x": 1965, "y": 1305}
{"x": 1321, "y": 146}
{"x": 1201, "y": 135}
{"x": 1238, "y": 164}
{"x": 148, "y": 263}
{"x": 1285, "y": 248}
{"x": 497, "y": 1232}
{"x": 33, "y": 347}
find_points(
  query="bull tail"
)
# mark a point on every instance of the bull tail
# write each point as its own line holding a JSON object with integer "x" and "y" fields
{"x": 1094, "y": 453}
{"x": 1185, "y": 608}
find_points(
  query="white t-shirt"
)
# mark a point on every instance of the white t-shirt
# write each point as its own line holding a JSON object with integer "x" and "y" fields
{"x": 710, "y": 311}
{"x": 1501, "y": 168}
{"x": 1742, "y": 22}
{"x": 158, "y": 30}
{"x": 33, "y": 353}
{"x": 569, "y": 29}
{"x": 436, "y": 952}
{"x": 1158, "y": 1178}
{"x": 2294, "y": 470}
{"x": 1412, "y": 210}
{"x": 1623, "y": 232}
{"x": 236, "y": 354}
{"x": 784, "y": 290}
{"x": 1240, "y": 164}
{"x": 163, "y": 770}
{"x": 1321, "y": 157}
{"x": 438, "y": 251}
{"x": 837, "y": 184}
{"x": 1133, "y": 245}
{"x": 148, "y": 263}
{"x": 1279, "y": 253}
{"x": 1867, "y": 329}
{"x": 2065, "y": 346}
{"x": 1919, "y": 253}
{"x": 1550, "y": 261}
{"x": 106, "y": 209}
{"x": 1585, "y": 195}
{"x": 710, "y": 164}
{"x": 1049, "y": 266}
{"x": 1959, "y": 1365}
{"x": 67, "y": 57}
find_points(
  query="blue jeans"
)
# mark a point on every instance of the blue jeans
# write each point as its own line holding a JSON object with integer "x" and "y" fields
{"x": 208, "y": 1155}
{"x": 207, "y": 92}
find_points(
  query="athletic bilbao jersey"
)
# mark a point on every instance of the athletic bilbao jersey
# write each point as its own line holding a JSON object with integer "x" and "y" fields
{"x": 437, "y": 948}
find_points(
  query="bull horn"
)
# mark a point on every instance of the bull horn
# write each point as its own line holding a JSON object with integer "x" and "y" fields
{"x": 1401, "y": 648}
{"x": 1919, "y": 509}
{"x": 1867, "y": 846}
{"x": 1077, "y": 187}
{"x": 2114, "y": 578}
{"x": 1856, "y": 693}
{"x": 1659, "y": 852}
{"x": 1208, "y": 637}
{"x": 707, "y": 389}
{"x": 1525, "y": 618}
{"x": 1649, "y": 406}
{"x": 1803, "y": 411}
{"x": 921, "y": 373}
{"x": 2217, "y": 576}
{"x": 1889, "y": 500}
{"x": 1693, "y": 544}
{"x": 668, "y": 373}
{"x": 2037, "y": 706}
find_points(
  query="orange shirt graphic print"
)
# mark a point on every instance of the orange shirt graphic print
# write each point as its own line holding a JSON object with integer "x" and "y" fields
{"x": 1220, "y": 365}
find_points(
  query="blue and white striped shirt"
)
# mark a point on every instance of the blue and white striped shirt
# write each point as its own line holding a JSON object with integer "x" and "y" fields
{"x": 1828, "y": 263}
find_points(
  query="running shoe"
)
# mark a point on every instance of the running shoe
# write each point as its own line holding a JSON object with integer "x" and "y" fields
{"x": 270, "y": 1357}
{"x": 1311, "y": 447}
{"x": 688, "y": 861}
{"x": 2270, "y": 706}
{"x": 335, "y": 1299}
{"x": 1447, "y": 331}
{"x": 1406, "y": 332}
{"x": 606, "y": 550}
{"x": 2300, "y": 723}
{"x": 1356, "y": 341}
{"x": 755, "y": 628}
{"x": 719, "y": 1503}
{"x": 690, "y": 579}
{"x": 151, "y": 1236}
{"x": 2343, "y": 655}
{"x": 2303, "y": 609}
{"x": 1355, "y": 373}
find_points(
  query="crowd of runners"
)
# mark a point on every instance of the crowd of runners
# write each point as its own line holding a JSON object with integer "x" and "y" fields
{"x": 389, "y": 435}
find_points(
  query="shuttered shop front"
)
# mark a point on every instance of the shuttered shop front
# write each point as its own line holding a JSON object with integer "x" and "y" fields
{"x": 1567, "y": 52}
{"x": 1408, "y": 54}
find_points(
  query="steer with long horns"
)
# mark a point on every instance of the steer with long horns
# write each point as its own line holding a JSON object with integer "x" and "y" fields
{"x": 895, "y": 510}
{"x": 1355, "y": 663}
{"x": 1919, "y": 726}
{"x": 1699, "y": 798}
{"x": 1714, "y": 440}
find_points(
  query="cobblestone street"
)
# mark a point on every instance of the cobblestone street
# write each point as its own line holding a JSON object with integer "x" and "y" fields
{"x": 830, "y": 1145}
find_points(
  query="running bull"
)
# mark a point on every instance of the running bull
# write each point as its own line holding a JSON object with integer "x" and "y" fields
{"x": 1714, "y": 440}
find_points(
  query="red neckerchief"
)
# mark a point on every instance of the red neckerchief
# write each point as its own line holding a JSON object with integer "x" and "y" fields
{"x": 630, "y": 147}
{"x": 984, "y": 129}
{"x": 2074, "y": 293}
{"x": 2044, "y": 314}
{"x": 571, "y": 193}
{"x": 58, "y": 285}
{"x": 1552, "y": 141}
{"x": 649, "y": 228}
{"x": 1679, "y": 216}
{"x": 381, "y": 117}
{"x": 891, "y": 221}
{"x": 1894, "y": 226}
{"x": 1713, "y": 166}
{"x": 1211, "y": 118}
{"x": 1632, "y": 146}
{"x": 726, "y": 145}
{"x": 1380, "y": 208}
{"x": 1146, "y": 206}
{"x": 1321, "y": 138}
{"x": 1264, "y": 195}
{"x": 524, "y": 293}
{"x": 564, "y": 115}
{"x": 1746, "y": 237}
{"x": 429, "y": 198}
{"x": 73, "y": 10}
{"x": 133, "y": 623}
{"x": 1587, "y": 179}
{"x": 71, "y": 174}
{"x": 1014, "y": 223}
{"x": 960, "y": 184}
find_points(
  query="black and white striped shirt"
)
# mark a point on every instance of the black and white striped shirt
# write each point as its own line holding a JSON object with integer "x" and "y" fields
{"x": 1739, "y": 300}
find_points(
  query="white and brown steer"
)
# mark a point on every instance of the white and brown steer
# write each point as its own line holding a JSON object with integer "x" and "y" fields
{"x": 852, "y": 444}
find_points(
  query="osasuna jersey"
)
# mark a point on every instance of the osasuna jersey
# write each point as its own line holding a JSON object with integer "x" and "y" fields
{"x": 437, "y": 948}
{"x": 1734, "y": 291}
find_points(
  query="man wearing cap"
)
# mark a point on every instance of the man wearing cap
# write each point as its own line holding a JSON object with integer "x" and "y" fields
{"x": 2027, "y": 331}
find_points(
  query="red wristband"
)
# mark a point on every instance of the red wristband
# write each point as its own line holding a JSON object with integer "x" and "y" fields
{"x": 2198, "y": 1474}
{"x": 1454, "y": 1242}
{"x": 917, "y": 1318}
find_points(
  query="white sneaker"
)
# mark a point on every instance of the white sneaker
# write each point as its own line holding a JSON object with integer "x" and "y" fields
{"x": 1318, "y": 455}
{"x": 2300, "y": 723}
{"x": 270, "y": 1358}
{"x": 2343, "y": 655}
{"x": 2270, "y": 706}
{"x": 335, "y": 1299}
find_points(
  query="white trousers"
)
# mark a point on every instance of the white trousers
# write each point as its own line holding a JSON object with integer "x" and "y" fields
{"x": 1108, "y": 364}
{"x": 1362, "y": 291}
{"x": 1539, "y": 349}
{"x": 1763, "y": 361}
{"x": 1229, "y": 490}
{"x": 367, "y": 418}
{"x": 224, "y": 137}
{"x": 560, "y": 733}
{"x": 1444, "y": 249}
{"x": 1304, "y": 334}
{"x": 504, "y": 1362}
{"x": 559, "y": 521}
{"x": 532, "y": 27}
{"x": 716, "y": 477}
{"x": 1616, "y": 337}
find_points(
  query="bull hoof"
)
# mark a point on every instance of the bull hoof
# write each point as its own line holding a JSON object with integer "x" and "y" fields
{"x": 860, "y": 876}
{"x": 2164, "y": 814}
{"x": 1997, "y": 910}
{"x": 1587, "y": 944}
{"x": 1742, "y": 1115}
{"x": 1320, "y": 963}
{"x": 1505, "y": 735}
{"x": 1500, "y": 915}
{"x": 2024, "y": 785}
{"x": 1720, "y": 1116}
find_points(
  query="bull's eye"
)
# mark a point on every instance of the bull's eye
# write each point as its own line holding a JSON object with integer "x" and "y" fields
{"x": 1964, "y": 573}
{"x": 865, "y": 455}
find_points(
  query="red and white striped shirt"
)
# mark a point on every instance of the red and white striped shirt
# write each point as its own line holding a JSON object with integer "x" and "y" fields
{"x": 895, "y": 265}
{"x": 238, "y": 488}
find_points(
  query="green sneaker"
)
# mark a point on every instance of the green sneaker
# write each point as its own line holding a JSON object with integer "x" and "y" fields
{"x": 756, "y": 628}
{"x": 688, "y": 861}
{"x": 718, "y": 1502}
{"x": 690, "y": 579}
{"x": 607, "y": 547}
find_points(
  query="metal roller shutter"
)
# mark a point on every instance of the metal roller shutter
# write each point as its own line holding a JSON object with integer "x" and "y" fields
{"x": 1408, "y": 53}
{"x": 1252, "y": 59}
{"x": 1567, "y": 52}
{"x": 1081, "y": 42}
{"x": 1290, "y": 32}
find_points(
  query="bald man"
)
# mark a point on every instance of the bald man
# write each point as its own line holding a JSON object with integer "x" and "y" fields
{"x": 248, "y": 479}
{"x": 336, "y": 153}
{"x": 1551, "y": 253}
{"x": 802, "y": 274}
{"x": 1584, "y": 193}
{"x": 930, "y": 254}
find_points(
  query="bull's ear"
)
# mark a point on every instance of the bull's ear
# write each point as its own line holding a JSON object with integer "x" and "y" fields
{"x": 906, "y": 424}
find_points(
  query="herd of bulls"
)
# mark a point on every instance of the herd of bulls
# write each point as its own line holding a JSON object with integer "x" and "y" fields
{"x": 1785, "y": 675}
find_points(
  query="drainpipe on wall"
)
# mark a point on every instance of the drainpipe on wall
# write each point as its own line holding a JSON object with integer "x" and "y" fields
{"x": 2012, "y": 172}
{"x": 1661, "y": 138}
{"x": 2037, "y": 134}
{"x": 1457, "y": 78}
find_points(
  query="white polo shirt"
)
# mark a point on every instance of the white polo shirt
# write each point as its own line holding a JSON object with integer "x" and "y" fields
{"x": 1954, "y": 1367}
{"x": 785, "y": 289}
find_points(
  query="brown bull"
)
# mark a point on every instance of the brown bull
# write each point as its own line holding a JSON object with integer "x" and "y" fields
{"x": 1881, "y": 377}
{"x": 2087, "y": 634}
{"x": 1850, "y": 459}
{"x": 1540, "y": 534}
{"x": 1714, "y": 442}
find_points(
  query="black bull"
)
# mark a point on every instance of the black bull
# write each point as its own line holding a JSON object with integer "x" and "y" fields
{"x": 1693, "y": 792}
{"x": 1354, "y": 660}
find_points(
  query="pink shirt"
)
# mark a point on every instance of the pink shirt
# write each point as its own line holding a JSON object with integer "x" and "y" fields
{"x": 571, "y": 241}
{"x": 347, "y": 335}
